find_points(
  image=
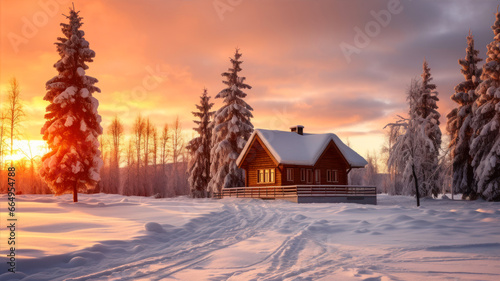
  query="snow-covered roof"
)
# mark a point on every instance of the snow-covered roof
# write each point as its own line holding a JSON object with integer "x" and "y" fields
{"x": 292, "y": 148}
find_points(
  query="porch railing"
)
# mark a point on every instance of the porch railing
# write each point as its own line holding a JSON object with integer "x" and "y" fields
{"x": 270, "y": 192}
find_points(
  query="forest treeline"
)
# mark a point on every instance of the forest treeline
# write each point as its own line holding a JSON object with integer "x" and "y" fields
{"x": 158, "y": 161}
{"x": 147, "y": 160}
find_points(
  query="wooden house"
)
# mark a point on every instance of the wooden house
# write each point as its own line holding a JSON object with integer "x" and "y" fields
{"x": 278, "y": 158}
{"x": 299, "y": 167}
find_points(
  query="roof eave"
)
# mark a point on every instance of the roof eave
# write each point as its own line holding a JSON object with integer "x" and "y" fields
{"x": 245, "y": 150}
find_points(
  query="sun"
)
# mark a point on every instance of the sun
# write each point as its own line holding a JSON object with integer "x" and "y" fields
{"x": 26, "y": 149}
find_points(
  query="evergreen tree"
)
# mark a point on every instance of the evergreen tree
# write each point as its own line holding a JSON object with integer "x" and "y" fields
{"x": 73, "y": 124}
{"x": 409, "y": 153}
{"x": 199, "y": 168}
{"x": 423, "y": 109}
{"x": 413, "y": 154}
{"x": 485, "y": 146}
{"x": 460, "y": 119}
{"x": 231, "y": 130}
{"x": 426, "y": 107}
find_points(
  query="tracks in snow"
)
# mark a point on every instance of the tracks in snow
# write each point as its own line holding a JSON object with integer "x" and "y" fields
{"x": 186, "y": 247}
{"x": 302, "y": 248}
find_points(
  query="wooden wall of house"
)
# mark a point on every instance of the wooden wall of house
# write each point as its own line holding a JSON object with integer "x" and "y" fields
{"x": 331, "y": 159}
{"x": 257, "y": 158}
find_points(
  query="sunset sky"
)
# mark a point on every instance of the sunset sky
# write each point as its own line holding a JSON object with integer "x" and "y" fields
{"x": 155, "y": 57}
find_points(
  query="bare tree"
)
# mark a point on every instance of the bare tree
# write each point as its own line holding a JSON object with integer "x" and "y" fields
{"x": 164, "y": 142}
{"x": 104, "y": 183}
{"x": 164, "y": 151}
{"x": 128, "y": 186}
{"x": 3, "y": 131}
{"x": 157, "y": 187}
{"x": 148, "y": 131}
{"x": 370, "y": 176}
{"x": 154, "y": 149}
{"x": 116, "y": 133}
{"x": 177, "y": 149}
{"x": 394, "y": 184}
{"x": 34, "y": 180}
{"x": 148, "y": 152}
{"x": 147, "y": 135}
{"x": 138, "y": 131}
{"x": 15, "y": 113}
{"x": 177, "y": 141}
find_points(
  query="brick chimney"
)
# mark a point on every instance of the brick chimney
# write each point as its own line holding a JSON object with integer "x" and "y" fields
{"x": 299, "y": 129}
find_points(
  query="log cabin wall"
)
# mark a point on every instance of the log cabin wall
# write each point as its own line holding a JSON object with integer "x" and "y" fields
{"x": 331, "y": 159}
{"x": 259, "y": 158}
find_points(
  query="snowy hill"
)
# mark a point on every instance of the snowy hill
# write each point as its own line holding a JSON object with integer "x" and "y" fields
{"x": 112, "y": 237}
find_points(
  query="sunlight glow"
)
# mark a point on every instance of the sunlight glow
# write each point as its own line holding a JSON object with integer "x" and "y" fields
{"x": 27, "y": 149}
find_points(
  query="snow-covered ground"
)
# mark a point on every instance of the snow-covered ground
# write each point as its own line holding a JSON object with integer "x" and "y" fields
{"x": 112, "y": 237}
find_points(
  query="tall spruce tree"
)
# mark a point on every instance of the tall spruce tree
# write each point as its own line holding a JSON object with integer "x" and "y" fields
{"x": 410, "y": 151}
{"x": 415, "y": 152}
{"x": 232, "y": 128}
{"x": 485, "y": 146}
{"x": 460, "y": 121}
{"x": 425, "y": 108}
{"x": 73, "y": 124}
{"x": 199, "y": 147}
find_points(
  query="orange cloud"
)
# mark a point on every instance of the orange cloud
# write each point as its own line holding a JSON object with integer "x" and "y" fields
{"x": 155, "y": 58}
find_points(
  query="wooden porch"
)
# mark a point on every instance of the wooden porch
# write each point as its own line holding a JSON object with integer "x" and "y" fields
{"x": 306, "y": 193}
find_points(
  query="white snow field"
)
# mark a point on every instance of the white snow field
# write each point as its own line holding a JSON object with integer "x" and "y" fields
{"x": 112, "y": 237}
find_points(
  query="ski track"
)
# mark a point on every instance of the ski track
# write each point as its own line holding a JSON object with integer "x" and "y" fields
{"x": 307, "y": 248}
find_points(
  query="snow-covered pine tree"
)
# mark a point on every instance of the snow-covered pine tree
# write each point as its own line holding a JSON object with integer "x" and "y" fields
{"x": 460, "y": 119}
{"x": 485, "y": 146}
{"x": 425, "y": 107}
{"x": 199, "y": 147}
{"x": 410, "y": 153}
{"x": 73, "y": 124}
{"x": 231, "y": 130}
